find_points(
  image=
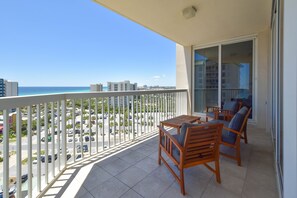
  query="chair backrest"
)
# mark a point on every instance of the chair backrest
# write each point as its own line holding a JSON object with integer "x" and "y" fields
{"x": 231, "y": 106}
{"x": 238, "y": 123}
{"x": 202, "y": 143}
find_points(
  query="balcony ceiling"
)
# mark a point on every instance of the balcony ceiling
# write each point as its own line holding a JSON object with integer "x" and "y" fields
{"x": 215, "y": 20}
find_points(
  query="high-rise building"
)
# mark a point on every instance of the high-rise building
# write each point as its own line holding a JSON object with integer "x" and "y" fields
{"x": 120, "y": 86}
{"x": 11, "y": 88}
{"x": 96, "y": 87}
{"x": 8, "y": 88}
{"x": 2, "y": 87}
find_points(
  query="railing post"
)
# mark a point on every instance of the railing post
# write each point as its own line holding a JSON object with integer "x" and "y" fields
{"x": 58, "y": 135}
{"x": 96, "y": 123}
{"x": 90, "y": 130}
{"x": 29, "y": 136}
{"x": 53, "y": 139}
{"x": 133, "y": 121}
{"x": 5, "y": 153}
{"x": 46, "y": 141}
{"x": 19, "y": 151}
{"x": 64, "y": 144}
{"x": 38, "y": 131}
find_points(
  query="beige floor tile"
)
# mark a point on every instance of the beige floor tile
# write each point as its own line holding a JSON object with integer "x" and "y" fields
{"x": 254, "y": 190}
{"x": 133, "y": 157}
{"x": 95, "y": 178}
{"x": 131, "y": 194}
{"x": 117, "y": 166}
{"x": 148, "y": 164}
{"x": 131, "y": 176}
{"x": 111, "y": 188}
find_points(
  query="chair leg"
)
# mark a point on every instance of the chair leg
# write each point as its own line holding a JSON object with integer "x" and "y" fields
{"x": 159, "y": 156}
{"x": 245, "y": 136}
{"x": 218, "y": 174}
{"x": 238, "y": 156}
{"x": 182, "y": 182}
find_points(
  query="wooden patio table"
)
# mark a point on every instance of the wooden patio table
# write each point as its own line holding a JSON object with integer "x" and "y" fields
{"x": 179, "y": 120}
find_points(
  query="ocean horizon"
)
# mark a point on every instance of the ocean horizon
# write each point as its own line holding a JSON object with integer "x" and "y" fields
{"x": 26, "y": 91}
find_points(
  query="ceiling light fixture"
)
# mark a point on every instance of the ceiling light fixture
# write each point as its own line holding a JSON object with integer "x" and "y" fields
{"x": 189, "y": 12}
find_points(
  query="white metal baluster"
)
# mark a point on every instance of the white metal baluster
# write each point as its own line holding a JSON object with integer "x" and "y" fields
{"x": 151, "y": 115}
{"x": 133, "y": 119}
{"x": 96, "y": 123}
{"x": 108, "y": 124}
{"x": 119, "y": 120}
{"x": 141, "y": 114}
{"x": 174, "y": 105}
{"x": 124, "y": 118}
{"x": 103, "y": 123}
{"x": 53, "y": 139}
{"x": 163, "y": 106}
{"x": 166, "y": 106}
{"x": 29, "y": 136}
{"x": 64, "y": 142}
{"x": 19, "y": 152}
{"x": 154, "y": 110}
{"x": 114, "y": 123}
{"x": 90, "y": 128}
{"x": 128, "y": 105}
{"x": 73, "y": 128}
{"x": 58, "y": 135}
{"x": 5, "y": 153}
{"x": 38, "y": 131}
{"x": 147, "y": 113}
{"x": 81, "y": 138}
{"x": 46, "y": 141}
{"x": 137, "y": 118}
{"x": 169, "y": 105}
{"x": 144, "y": 113}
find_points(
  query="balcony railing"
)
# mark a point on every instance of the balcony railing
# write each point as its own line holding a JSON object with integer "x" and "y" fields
{"x": 42, "y": 135}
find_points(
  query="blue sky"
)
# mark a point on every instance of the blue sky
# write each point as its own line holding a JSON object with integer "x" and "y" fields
{"x": 78, "y": 42}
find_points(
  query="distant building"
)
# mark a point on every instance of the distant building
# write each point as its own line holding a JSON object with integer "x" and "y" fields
{"x": 96, "y": 87}
{"x": 8, "y": 88}
{"x": 2, "y": 87}
{"x": 120, "y": 86}
{"x": 12, "y": 88}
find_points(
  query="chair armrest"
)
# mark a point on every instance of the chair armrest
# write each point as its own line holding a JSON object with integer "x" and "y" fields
{"x": 228, "y": 114}
{"x": 214, "y": 108}
{"x": 165, "y": 133}
{"x": 232, "y": 131}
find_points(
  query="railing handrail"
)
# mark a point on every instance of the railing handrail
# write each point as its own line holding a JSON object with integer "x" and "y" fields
{"x": 21, "y": 101}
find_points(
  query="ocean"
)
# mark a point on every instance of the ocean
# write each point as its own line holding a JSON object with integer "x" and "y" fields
{"x": 25, "y": 91}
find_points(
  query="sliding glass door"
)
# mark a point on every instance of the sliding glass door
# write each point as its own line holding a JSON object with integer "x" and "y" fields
{"x": 206, "y": 78}
{"x": 223, "y": 73}
{"x": 237, "y": 73}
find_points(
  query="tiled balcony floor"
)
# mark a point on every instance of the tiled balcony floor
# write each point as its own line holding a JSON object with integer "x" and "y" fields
{"x": 134, "y": 172}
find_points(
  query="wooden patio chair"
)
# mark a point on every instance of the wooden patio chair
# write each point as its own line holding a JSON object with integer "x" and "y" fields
{"x": 195, "y": 145}
{"x": 224, "y": 113}
{"x": 234, "y": 131}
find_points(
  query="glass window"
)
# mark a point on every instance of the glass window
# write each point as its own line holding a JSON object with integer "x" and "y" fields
{"x": 205, "y": 75}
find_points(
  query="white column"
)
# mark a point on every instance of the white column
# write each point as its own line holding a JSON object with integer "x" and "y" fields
{"x": 290, "y": 98}
{"x": 184, "y": 74}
